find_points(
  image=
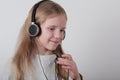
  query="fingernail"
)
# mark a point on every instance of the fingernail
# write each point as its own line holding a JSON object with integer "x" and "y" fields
{"x": 59, "y": 58}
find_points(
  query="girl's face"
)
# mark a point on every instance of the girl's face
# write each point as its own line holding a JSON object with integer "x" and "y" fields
{"x": 52, "y": 32}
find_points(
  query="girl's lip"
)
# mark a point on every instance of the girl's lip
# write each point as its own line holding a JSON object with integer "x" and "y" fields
{"x": 54, "y": 41}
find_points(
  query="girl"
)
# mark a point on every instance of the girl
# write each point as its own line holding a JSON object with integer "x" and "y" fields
{"x": 39, "y": 55}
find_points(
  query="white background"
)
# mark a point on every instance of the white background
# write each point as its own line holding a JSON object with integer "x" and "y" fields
{"x": 93, "y": 34}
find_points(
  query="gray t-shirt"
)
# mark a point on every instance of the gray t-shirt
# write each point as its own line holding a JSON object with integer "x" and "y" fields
{"x": 44, "y": 68}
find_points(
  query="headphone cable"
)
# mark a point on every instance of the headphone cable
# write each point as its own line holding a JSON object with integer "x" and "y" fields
{"x": 43, "y": 69}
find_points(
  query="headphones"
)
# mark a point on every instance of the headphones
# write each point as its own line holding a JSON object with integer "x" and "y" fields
{"x": 35, "y": 29}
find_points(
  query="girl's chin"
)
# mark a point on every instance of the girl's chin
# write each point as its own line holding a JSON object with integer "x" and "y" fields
{"x": 52, "y": 48}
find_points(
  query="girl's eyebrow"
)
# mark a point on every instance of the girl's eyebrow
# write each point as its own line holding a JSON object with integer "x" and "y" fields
{"x": 57, "y": 26}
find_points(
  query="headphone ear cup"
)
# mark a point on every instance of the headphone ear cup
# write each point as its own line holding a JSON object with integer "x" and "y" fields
{"x": 34, "y": 30}
{"x": 64, "y": 35}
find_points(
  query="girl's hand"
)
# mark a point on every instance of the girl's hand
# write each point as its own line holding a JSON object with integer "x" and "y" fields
{"x": 68, "y": 64}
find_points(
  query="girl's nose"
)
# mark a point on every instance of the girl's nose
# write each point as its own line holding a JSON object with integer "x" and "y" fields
{"x": 58, "y": 35}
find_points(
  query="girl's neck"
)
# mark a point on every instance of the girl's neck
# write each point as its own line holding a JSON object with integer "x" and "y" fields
{"x": 45, "y": 52}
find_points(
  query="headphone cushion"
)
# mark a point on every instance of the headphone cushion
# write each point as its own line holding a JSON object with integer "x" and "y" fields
{"x": 34, "y": 30}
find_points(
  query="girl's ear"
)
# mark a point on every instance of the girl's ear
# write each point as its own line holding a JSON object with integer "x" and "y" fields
{"x": 37, "y": 38}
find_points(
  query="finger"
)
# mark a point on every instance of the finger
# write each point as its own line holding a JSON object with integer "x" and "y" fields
{"x": 66, "y": 67}
{"x": 67, "y": 56}
{"x": 64, "y": 61}
{"x": 66, "y": 64}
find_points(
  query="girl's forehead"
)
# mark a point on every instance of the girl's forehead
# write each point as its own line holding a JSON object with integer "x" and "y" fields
{"x": 59, "y": 20}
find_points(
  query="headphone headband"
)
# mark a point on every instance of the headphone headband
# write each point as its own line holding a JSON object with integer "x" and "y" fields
{"x": 35, "y": 9}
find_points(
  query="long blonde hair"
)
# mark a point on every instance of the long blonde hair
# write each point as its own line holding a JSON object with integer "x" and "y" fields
{"x": 26, "y": 46}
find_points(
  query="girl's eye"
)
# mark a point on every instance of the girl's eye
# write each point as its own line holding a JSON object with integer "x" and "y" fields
{"x": 51, "y": 29}
{"x": 62, "y": 30}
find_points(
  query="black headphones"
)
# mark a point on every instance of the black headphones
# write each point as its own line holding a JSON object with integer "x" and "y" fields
{"x": 35, "y": 29}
